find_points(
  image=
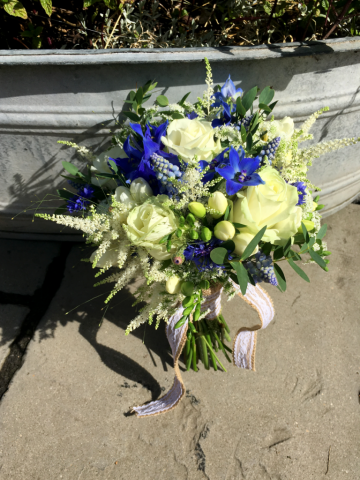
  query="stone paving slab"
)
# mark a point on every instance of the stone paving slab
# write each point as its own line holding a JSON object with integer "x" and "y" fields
{"x": 11, "y": 319}
{"x": 24, "y": 263}
{"x": 295, "y": 418}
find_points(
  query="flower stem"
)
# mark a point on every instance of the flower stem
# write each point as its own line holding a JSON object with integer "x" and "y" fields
{"x": 217, "y": 359}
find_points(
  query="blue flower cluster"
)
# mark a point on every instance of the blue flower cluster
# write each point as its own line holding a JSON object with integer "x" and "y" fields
{"x": 199, "y": 253}
{"x": 301, "y": 188}
{"x": 261, "y": 269}
{"x": 81, "y": 200}
{"x": 269, "y": 151}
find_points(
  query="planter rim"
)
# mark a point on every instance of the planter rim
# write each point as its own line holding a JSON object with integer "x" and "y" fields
{"x": 176, "y": 55}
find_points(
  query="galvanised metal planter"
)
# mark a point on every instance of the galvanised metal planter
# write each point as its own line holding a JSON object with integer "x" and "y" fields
{"x": 76, "y": 95}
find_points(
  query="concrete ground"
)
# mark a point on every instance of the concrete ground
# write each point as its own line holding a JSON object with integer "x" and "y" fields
{"x": 67, "y": 385}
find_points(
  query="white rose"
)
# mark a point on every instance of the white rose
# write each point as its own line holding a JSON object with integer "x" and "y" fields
{"x": 123, "y": 195}
{"x": 241, "y": 241}
{"x": 140, "y": 190}
{"x": 149, "y": 223}
{"x": 283, "y": 128}
{"x": 100, "y": 165}
{"x": 272, "y": 204}
{"x": 188, "y": 138}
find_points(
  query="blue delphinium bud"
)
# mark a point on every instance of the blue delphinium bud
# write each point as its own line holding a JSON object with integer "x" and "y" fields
{"x": 268, "y": 152}
{"x": 261, "y": 269}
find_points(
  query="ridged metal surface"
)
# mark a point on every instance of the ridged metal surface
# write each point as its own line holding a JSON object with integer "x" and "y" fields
{"x": 75, "y": 95}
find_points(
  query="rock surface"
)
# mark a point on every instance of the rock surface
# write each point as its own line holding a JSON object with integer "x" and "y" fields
{"x": 64, "y": 415}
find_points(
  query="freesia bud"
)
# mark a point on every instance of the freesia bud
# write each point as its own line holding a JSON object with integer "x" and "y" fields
{"x": 173, "y": 285}
{"x": 206, "y": 234}
{"x": 218, "y": 202}
{"x": 314, "y": 206}
{"x": 224, "y": 230}
{"x": 140, "y": 190}
{"x": 187, "y": 288}
{"x": 197, "y": 209}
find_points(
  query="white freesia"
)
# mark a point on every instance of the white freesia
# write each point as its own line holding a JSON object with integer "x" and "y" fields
{"x": 149, "y": 223}
{"x": 100, "y": 165}
{"x": 140, "y": 190}
{"x": 272, "y": 204}
{"x": 188, "y": 138}
{"x": 173, "y": 285}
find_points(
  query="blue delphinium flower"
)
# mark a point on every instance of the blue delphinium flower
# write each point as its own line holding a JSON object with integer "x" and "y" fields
{"x": 81, "y": 200}
{"x": 192, "y": 115}
{"x": 228, "y": 92}
{"x": 241, "y": 172}
{"x": 301, "y": 188}
{"x": 225, "y": 115}
{"x": 262, "y": 269}
{"x": 199, "y": 253}
{"x": 219, "y": 161}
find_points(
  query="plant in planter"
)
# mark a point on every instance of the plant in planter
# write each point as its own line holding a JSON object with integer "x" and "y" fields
{"x": 200, "y": 199}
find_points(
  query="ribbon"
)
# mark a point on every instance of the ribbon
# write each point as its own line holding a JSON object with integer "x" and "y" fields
{"x": 243, "y": 349}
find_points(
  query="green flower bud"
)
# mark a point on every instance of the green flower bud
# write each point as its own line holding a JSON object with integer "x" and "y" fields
{"x": 182, "y": 221}
{"x": 320, "y": 207}
{"x": 218, "y": 202}
{"x": 206, "y": 234}
{"x": 188, "y": 301}
{"x": 193, "y": 234}
{"x": 224, "y": 230}
{"x": 190, "y": 219}
{"x": 173, "y": 285}
{"x": 325, "y": 253}
{"x": 187, "y": 288}
{"x": 308, "y": 224}
{"x": 204, "y": 284}
{"x": 197, "y": 209}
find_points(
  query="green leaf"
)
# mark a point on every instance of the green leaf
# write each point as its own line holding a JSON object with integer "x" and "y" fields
{"x": 317, "y": 259}
{"x": 266, "y": 248}
{"x": 280, "y": 277}
{"x": 227, "y": 212}
{"x": 287, "y": 247}
{"x": 113, "y": 166}
{"x": 242, "y": 275}
{"x": 69, "y": 167}
{"x": 252, "y": 245}
{"x": 61, "y": 210}
{"x": 47, "y": 6}
{"x": 139, "y": 96}
{"x": 272, "y": 105}
{"x": 264, "y": 107}
{"x": 88, "y": 3}
{"x": 16, "y": 9}
{"x": 278, "y": 253}
{"x": 294, "y": 255}
{"x": 254, "y": 123}
{"x": 243, "y": 133}
{"x": 249, "y": 98}
{"x": 162, "y": 101}
{"x": 181, "y": 103}
{"x": 177, "y": 115}
{"x": 218, "y": 255}
{"x": 249, "y": 143}
{"x": 239, "y": 225}
{"x": 299, "y": 238}
{"x": 305, "y": 233}
{"x": 321, "y": 233}
{"x": 132, "y": 95}
{"x": 266, "y": 95}
{"x": 65, "y": 194}
{"x": 147, "y": 87}
{"x": 228, "y": 245}
{"x": 133, "y": 116}
{"x": 298, "y": 270}
{"x": 239, "y": 107}
{"x": 304, "y": 248}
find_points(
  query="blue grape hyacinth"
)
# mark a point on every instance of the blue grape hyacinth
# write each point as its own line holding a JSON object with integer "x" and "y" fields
{"x": 244, "y": 121}
{"x": 268, "y": 152}
{"x": 164, "y": 171}
{"x": 262, "y": 269}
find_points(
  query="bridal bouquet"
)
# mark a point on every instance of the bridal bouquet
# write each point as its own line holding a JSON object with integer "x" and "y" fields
{"x": 199, "y": 199}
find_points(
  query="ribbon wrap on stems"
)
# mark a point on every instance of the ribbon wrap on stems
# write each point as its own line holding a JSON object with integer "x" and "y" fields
{"x": 243, "y": 348}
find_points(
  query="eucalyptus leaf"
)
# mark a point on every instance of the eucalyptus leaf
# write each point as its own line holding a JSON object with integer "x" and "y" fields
{"x": 264, "y": 107}
{"x": 249, "y": 98}
{"x": 317, "y": 259}
{"x": 218, "y": 255}
{"x": 239, "y": 225}
{"x": 229, "y": 245}
{"x": 280, "y": 277}
{"x": 162, "y": 101}
{"x": 239, "y": 107}
{"x": 177, "y": 115}
{"x": 298, "y": 270}
{"x": 227, "y": 212}
{"x": 249, "y": 142}
{"x": 133, "y": 116}
{"x": 181, "y": 103}
{"x": 321, "y": 233}
{"x": 243, "y": 133}
{"x": 69, "y": 167}
{"x": 252, "y": 245}
{"x": 266, "y": 95}
{"x": 304, "y": 248}
{"x": 278, "y": 253}
{"x": 242, "y": 275}
{"x": 287, "y": 247}
{"x": 305, "y": 233}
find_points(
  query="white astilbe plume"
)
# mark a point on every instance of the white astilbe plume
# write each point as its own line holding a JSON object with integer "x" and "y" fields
{"x": 85, "y": 153}
{"x": 316, "y": 151}
{"x": 306, "y": 126}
